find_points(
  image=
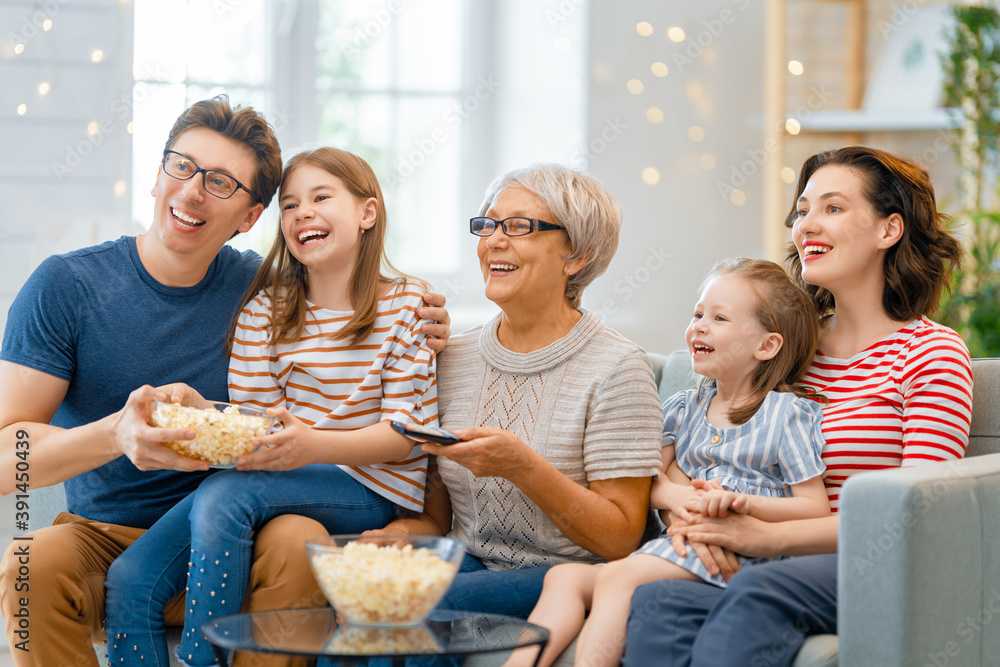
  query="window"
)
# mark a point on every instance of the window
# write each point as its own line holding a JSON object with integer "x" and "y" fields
{"x": 181, "y": 55}
{"x": 389, "y": 87}
{"x": 439, "y": 96}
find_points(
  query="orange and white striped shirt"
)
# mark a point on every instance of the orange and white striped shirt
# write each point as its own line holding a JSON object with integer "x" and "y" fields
{"x": 904, "y": 401}
{"x": 340, "y": 385}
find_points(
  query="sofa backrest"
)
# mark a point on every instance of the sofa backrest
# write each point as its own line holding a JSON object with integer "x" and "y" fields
{"x": 673, "y": 373}
{"x": 984, "y": 434}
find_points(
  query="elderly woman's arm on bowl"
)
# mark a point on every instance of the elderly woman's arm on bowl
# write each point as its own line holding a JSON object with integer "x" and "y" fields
{"x": 606, "y": 519}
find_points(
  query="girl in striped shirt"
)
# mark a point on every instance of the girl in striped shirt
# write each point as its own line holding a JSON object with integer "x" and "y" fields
{"x": 333, "y": 348}
{"x": 752, "y": 438}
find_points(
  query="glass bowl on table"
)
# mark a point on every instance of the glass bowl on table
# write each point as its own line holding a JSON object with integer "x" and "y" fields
{"x": 384, "y": 580}
{"x": 353, "y": 639}
{"x": 225, "y": 431}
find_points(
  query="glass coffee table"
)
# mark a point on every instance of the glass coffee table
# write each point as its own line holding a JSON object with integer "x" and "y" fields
{"x": 316, "y": 633}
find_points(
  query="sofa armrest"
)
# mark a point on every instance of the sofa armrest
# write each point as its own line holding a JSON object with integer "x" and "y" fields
{"x": 919, "y": 567}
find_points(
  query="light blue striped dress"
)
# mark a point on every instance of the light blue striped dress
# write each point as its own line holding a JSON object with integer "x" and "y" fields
{"x": 779, "y": 446}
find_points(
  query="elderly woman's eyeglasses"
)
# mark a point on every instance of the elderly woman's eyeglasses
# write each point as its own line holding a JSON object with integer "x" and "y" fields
{"x": 216, "y": 183}
{"x": 511, "y": 226}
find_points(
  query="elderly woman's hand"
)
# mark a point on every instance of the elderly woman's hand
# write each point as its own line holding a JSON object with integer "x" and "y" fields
{"x": 487, "y": 452}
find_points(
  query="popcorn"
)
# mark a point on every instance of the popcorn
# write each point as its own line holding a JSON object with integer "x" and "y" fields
{"x": 222, "y": 436}
{"x": 382, "y": 585}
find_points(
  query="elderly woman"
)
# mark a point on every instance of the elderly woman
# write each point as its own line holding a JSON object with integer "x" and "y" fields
{"x": 558, "y": 413}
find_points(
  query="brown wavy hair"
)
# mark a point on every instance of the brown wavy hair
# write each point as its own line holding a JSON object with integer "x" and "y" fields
{"x": 285, "y": 279}
{"x": 781, "y": 307}
{"x": 919, "y": 266}
{"x": 242, "y": 124}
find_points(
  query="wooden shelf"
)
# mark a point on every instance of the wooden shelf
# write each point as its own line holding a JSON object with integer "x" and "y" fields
{"x": 882, "y": 120}
{"x": 851, "y": 122}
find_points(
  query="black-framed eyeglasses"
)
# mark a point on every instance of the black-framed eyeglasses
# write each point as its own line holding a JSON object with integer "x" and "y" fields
{"x": 515, "y": 226}
{"x": 216, "y": 183}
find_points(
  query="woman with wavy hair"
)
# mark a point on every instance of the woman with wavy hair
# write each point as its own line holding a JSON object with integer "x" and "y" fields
{"x": 871, "y": 248}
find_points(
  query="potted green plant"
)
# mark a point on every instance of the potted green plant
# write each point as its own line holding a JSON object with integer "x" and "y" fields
{"x": 972, "y": 84}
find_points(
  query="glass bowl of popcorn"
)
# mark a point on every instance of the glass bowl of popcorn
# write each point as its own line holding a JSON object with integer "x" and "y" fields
{"x": 225, "y": 431}
{"x": 384, "y": 580}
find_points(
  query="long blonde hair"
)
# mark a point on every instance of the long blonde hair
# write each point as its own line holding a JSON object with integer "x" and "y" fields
{"x": 285, "y": 279}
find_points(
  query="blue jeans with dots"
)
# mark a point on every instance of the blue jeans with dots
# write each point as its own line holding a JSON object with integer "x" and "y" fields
{"x": 206, "y": 540}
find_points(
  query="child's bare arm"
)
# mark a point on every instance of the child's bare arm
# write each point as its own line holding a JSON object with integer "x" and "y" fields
{"x": 297, "y": 444}
{"x": 672, "y": 490}
{"x": 663, "y": 494}
{"x": 808, "y": 500}
{"x": 674, "y": 473}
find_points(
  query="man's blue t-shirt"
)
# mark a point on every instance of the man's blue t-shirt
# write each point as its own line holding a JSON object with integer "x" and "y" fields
{"x": 97, "y": 318}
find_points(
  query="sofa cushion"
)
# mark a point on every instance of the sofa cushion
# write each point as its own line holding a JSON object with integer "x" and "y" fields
{"x": 984, "y": 434}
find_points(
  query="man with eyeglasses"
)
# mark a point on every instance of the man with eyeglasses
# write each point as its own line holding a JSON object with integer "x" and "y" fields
{"x": 97, "y": 329}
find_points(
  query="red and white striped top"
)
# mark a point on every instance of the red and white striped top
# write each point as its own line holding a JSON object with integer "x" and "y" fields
{"x": 904, "y": 401}
{"x": 339, "y": 385}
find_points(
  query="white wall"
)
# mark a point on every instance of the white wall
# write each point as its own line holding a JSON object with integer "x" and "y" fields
{"x": 61, "y": 159}
{"x": 536, "y": 112}
{"x": 551, "y": 107}
{"x": 676, "y": 229}
{"x": 64, "y": 156}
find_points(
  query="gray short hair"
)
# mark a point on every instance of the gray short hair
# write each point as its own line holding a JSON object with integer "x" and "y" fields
{"x": 591, "y": 215}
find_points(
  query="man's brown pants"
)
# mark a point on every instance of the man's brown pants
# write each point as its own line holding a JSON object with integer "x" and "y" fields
{"x": 58, "y": 578}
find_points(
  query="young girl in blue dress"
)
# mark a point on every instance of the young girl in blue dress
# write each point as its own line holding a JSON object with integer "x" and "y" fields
{"x": 333, "y": 348}
{"x": 749, "y": 443}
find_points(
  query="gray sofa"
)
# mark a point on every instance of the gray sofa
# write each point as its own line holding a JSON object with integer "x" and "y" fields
{"x": 919, "y": 567}
{"x": 920, "y": 550}
{"x": 919, "y": 579}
